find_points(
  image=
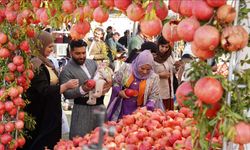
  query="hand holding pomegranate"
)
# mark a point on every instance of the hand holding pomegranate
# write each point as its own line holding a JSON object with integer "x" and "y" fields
{"x": 88, "y": 85}
{"x": 122, "y": 94}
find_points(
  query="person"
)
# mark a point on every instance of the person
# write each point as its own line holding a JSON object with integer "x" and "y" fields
{"x": 184, "y": 69}
{"x": 141, "y": 79}
{"x": 125, "y": 38}
{"x": 164, "y": 67}
{"x": 109, "y": 33}
{"x": 97, "y": 48}
{"x": 44, "y": 95}
{"x": 145, "y": 46}
{"x": 136, "y": 41}
{"x": 83, "y": 120}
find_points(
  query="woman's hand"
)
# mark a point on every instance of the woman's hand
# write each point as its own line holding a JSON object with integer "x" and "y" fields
{"x": 71, "y": 84}
{"x": 122, "y": 94}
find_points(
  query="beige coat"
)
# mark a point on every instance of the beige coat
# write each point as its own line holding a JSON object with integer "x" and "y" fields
{"x": 168, "y": 65}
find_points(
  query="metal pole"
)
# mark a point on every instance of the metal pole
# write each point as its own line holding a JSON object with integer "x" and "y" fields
{"x": 230, "y": 73}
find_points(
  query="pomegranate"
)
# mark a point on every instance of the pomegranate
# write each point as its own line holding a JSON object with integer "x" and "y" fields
{"x": 187, "y": 27}
{"x": 5, "y": 138}
{"x": 242, "y": 130}
{"x": 68, "y": 6}
{"x": 211, "y": 112}
{"x": 93, "y": 3}
{"x": 28, "y": 73}
{"x": 90, "y": 83}
{"x": 12, "y": 67}
{"x": 202, "y": 54}
{"x": 226, "y": 14}
{"x": 11, "y": 46}
{"x": 174, "y": 5}
{"x": 209, "y": 90}
{"x": 206, "y": 37}
{"x": 21, "y": 141}
{"x": 10, "y": 15}
{"x": 202, "y": 11}
{"x": 36, "y": 3}
{"x": 3, "y": 38}
{"x": 186, "y": 8}
{"x": 1, "y": 128}
{"x": 88, "y": 11}
{"x": 234, "y": 38}
{"x": 122, "y": 4}
{"x": 19, "y": 124}
{"x": 182, "y": 92}
{"x": 109, "y": 3}
{"x": 131, "y": 93}
{"x": 169, "y": 31}
{"x": 151, "y": 27}
{"x": 83, "y": 27}
{"x": 216, "y": 3}
{"x": 160, "y": 7}
{"x": 9, "y": 127}
{"x": 4, "y": 53}
{"x": 18, "y": 60}
{"x": 100, "y": 15}
{"x": 24, "y": 45}
{"x": 135, "y": 12}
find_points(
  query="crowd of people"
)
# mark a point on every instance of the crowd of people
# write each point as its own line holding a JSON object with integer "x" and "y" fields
{"x": 149, "y": 69}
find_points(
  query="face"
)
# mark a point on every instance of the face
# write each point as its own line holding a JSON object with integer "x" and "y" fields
{"x": 98, "y": 35}
{"x": 48, "y": 50}
{"x": 116, "y": 37}
{"x": 144, "y": 70}
{"x": 163, "y": 48}
{"x": 79, "y": 55}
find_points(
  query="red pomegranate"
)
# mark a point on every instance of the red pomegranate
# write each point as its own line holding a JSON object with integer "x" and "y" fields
{"x": 206, "y": 37}
{"x": 187, "y": 27}
{"x": 88, "y": 12}
{"x": 174, "y": 5}
{"x": 186, "y": 8}
{"x": 201, "y": 53}
{"x": 135, "y": 12}
{"x": 160, "y": 7}
{"x": 3, "y": 38}
{"x": 201, "y": 10}
{"x": 83, "y": 27}
{"x": 209, "y": 90}
{"x": 122, "y": 4}
{"x": 151, "y": 27}
{"x": 242, "y": 133}
{"x": 182, "y": 92}
{"x": 79, "y": 13}
{"x": 100, "y": 15}
{"x": 68, "y": 6}
{"x": 109, "y": 3}
{"x": 93, "y": 3}
{"x": 216, "y": 3}
{"x": 234, "y": 38}
{"x": 169, "y": 31}
{"x": 211, "y": 112}
{"x": 226, "y": 14}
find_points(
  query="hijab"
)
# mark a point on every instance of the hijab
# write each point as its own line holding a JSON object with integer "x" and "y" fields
{"x": 145, "y": 57}
{"x": 44, "y": 39}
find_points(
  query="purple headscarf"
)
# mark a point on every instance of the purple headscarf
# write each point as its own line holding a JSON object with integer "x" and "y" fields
{"x": 145, "y": 57}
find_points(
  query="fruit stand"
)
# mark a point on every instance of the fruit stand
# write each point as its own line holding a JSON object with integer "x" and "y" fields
{"x": 213, "y": 107}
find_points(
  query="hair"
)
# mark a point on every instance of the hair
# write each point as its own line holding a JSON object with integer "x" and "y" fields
{"x": 109, "y": 27}
{"x": 186, "y": 56}
{"x": 149, "y": 46}
{"x": 162, "y": 41}
{"x": 116, "y": 33}
{"x": 78, "y": 43}
{"x": 126, "y": 32}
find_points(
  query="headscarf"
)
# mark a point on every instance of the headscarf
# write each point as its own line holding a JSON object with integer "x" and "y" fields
{"x": 145, "y": 57}
{"x": 160, "y": 57}
{"x": 44, "y": 39}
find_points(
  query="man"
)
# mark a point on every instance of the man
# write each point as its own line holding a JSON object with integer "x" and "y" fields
{"x": 83, "y": 119}
{"x": 124, "y": 39}
{"x": 97, "y": 49}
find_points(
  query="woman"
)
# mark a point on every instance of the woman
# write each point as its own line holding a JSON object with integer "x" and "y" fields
{"x": 44, "y": 95}
{"x": 164, "y": 67}
{"x": 138, "y": 76}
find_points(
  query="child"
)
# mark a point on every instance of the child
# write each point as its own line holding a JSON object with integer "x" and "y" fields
{"x": 104, "y": 74}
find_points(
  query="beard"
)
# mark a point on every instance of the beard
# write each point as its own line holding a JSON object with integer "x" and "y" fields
{"x": 79, "y": 61}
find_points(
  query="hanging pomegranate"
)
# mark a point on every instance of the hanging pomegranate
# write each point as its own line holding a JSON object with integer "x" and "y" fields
{"x": 135, "y": 12}
{"x": 151, "y": 27}
{"x": 209, "y": 90}
{"x": 100, "y": 15}
{"x": 169, "y": 31}
{"x": 187, "y": 27}
{"x": 226, "y": 14}
{"x": 122, "y": 4}
{"x": 201, "y": 53}
{"x": 109, "y": 3}
{"x": 79, "y": 13}
{"x": 186, "y": 8}
{"x": 182, "y": 92}
{"x": 93, "y": 3}
{"x": 160, "y": 8}
{"x": 88, "y": 12}
{"x": 202, "y": 11}
{"x": 68, "y": 6}
{"x": 174, "y": 5}
{"x": 206, "y": 37}
{"x": 242, "y": 130}
{"x": 216, "y": 3}
{"x": 234, "y": 38}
